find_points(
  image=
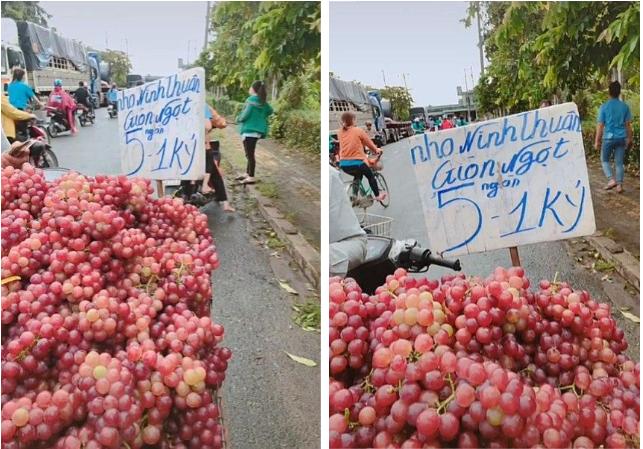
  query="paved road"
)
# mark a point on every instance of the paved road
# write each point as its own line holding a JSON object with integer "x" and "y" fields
{"x": 269, "y": 400}
{"x": 541, "y": 261}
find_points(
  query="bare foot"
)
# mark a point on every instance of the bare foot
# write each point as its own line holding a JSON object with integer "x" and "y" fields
{"x": 619, "y": 188}
{"x": 610, "y": 185}
{"x": 227, "y": 207}
{"x": 381, "y": 196}
{"x": 206, "y": 189}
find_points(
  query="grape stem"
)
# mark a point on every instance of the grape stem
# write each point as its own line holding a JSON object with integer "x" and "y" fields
{"x": 571, "y": 388}
{"x": 367, "y": 385}
{"x": 442, "y": 406}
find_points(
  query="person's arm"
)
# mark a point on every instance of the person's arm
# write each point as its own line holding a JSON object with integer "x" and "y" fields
{"x": 270, "y": 110}
{"x": 14, "y": 113}
{"x": 244, "y": 113}
{"x": 599, "y": 136}
{"x": 367, "y": 142}
{"x": 600, "y": 126}
{"x": 33, "y": 97}
{"x": 208, "y": 126}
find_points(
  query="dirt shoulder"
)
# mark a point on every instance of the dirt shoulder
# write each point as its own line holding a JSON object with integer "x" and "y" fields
{"x": 289, "y": 177}
{"x": 617, "y": 215}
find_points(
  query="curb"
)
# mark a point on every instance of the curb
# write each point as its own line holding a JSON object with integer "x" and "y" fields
{"x": 624, "y": 262}
{"x": 306, "y": 257}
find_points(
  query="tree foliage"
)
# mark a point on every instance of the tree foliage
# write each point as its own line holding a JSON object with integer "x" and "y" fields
{"x": 120, "y": 65}
{"x": 401, "y": 101}
{"x": 538, "y": 50}
{"x": 28, "y": 11}
{"x": 273, "y": 41}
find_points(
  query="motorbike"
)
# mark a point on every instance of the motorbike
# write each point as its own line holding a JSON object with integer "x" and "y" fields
{"x": 378, "y": 140}
{"x": 41, "y": 154}
{"x": 85, "y": 115}
{"x": 112, "y": 110}
{"x": 58, "y": 122}
{"x": 384, "y": 255}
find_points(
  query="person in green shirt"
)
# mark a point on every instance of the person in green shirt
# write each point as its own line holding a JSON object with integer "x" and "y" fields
{"x": 461, "y": 122}
{"x": 417, "y": 125}
{"x": 253, "y": 121}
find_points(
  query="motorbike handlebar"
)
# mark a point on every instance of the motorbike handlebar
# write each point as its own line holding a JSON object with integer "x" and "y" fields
{"x": 419, "y": 258}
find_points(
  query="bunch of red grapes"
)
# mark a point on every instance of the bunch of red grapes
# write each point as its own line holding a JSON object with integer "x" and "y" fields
{"x": 471, "y": 362}
{"x": 107, "y": 340}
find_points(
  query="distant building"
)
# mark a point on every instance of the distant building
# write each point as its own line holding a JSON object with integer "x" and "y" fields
{"x": 466, "y": 98}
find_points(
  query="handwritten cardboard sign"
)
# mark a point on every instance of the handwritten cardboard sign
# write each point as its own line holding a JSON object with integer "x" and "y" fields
{"x": 162, "y": 127}
{"x": 505, "y": 182}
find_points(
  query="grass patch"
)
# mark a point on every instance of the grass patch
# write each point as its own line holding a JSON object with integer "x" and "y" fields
{"x": 609, "y": 232}
{"x": 308, "y": 315}
{"x": 274, "y": 242}
{"x": 268, "y": 189}
{"x": 603, "y": 266}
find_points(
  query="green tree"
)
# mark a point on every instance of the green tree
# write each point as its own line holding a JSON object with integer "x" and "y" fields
{"x": 261, "y": 40}
{"x": 120, "y": 65}
{"x": 401, "y": 101}
{"x": 28, "y": 11}
{"x": 538, "y": 50}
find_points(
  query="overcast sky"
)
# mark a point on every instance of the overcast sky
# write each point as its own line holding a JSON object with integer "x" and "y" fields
{"x": 157, "y": 33}
{"x": 425, "y": 40}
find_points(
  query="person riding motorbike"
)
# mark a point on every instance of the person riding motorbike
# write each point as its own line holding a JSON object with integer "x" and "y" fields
{"x": 83, "y": 97}
{"x": 418, "y": 126}
{"x": 60, "y": 100}
{"x": 11, "y": 115}
{"x": 112, "y": 96}
{"x": 352, "y": 158}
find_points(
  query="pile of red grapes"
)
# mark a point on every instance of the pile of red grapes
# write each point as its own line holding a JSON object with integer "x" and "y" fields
{"x": 107, "y": 340}
{"x": 472, "y": 362}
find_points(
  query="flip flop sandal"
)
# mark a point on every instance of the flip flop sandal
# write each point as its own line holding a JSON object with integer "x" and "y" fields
{"x": 240, "y": 178}
{"x": 610, "y": 186}
{"x": 245, "y": 181}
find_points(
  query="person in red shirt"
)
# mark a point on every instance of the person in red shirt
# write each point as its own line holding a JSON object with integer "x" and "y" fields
{"x": 352, "y": 157}
{"x": 446, "y": 124}
{"x": 61, "y": 100}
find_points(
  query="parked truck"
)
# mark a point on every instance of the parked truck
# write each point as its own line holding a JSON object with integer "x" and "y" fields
{"x": 368, "y": 106}
{"x": 44, "y": 54}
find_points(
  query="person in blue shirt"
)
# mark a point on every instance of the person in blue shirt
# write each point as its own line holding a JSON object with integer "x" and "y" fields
{"x": 112, "y": 96}
{"x": 20, "y": 93}
{"x": 614, "y": 135}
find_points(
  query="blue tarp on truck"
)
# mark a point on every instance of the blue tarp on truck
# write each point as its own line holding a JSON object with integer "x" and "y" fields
{"x": 40, "y": 45}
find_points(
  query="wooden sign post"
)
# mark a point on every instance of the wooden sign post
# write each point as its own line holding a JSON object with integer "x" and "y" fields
{"x": 505, "y": 182}
{"x": 515, "y": 257}
{"x": 159, "y": 188}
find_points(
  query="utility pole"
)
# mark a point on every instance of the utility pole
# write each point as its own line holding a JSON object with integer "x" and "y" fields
{"x": 480, "y": 39}
{"x": 187, "y": 62}
{"x": 126, "y": 48}
{"x": 106, "y": 41}
{"x": 466, "y": 96}
{"x": 384, "y": 77}
{"x": 207, "y": 25}
{"x": 404, "y": 78}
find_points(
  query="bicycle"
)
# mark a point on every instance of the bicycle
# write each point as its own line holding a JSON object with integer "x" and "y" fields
{"x": 360, "y": 192}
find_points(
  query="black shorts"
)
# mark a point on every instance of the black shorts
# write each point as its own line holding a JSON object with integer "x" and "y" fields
{"x": 209, "y": 161}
